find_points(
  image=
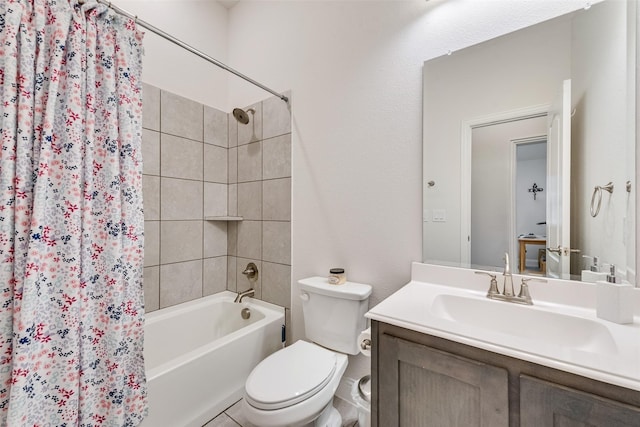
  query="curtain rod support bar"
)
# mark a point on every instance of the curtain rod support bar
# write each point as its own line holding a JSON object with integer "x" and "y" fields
{"x": 185, "y": 46}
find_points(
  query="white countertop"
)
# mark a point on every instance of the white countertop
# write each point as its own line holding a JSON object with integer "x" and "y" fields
{"x": 613, "y": 356}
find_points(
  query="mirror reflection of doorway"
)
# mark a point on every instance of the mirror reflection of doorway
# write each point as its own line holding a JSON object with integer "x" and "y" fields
{"x": 495, "y": 191}
{"x": 530, "y": 204}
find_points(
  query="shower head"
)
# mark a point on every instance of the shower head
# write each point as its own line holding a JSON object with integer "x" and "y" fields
{"x": 242, "y": 116}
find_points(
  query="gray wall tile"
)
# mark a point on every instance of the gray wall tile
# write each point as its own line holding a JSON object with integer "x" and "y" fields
{"x": 276, "y": 157}
{"x": 250, "y": 200}
{"x": 232, "y": 204}
{"x": 250, "y": 162}
{"x": 215, "y": 199}
{"x": 233, "y": 165}
{"x": 150, "y": 152}
{"x": 180, "y": 282}
{"x": 151, "y": 288}
{"x": 181, "y": 199}
{"x": 216, "y": 164}
{"x": 151, "y": 197}
{"x": 151, "y": 243}
{"x": 232, "y": 271}
{"x": 276, "y": 199}
{"x": 186, "y": 257}
{"x": 276, "y": 242}
{"x": 150, "y": 107}
{"x": 250, "y": 239}
{"x": 252, "y": 131}
{"x": 233, "y": 130}
{"x": 276, "y": 117}
{"x": 181, "y": 157}
{"x": 216, "y": 128}
{"x": 215, "y": 238}
{"x": 181, "y": 116}
{"x": 180, "y": 241}
{"x": 214, "y": 278}
{"x": 232, "y": 235}
{"x": 276, "y": 284}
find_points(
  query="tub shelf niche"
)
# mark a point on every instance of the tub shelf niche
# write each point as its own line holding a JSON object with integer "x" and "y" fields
{"x": 223, "y": 218}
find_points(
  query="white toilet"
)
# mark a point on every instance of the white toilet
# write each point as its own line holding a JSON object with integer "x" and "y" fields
{"x": 295, "y": 386}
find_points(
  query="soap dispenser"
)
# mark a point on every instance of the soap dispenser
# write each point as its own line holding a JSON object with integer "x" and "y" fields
{"x": 614, "y": 300}
{"x": 593, "y": 274}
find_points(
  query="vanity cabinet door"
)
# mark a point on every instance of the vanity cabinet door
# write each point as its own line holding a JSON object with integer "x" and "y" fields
{"x": 422, "y": 386}
{"x": 544, "y": 404}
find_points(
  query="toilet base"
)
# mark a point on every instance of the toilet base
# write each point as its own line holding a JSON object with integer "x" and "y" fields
{"x": 329, "y": 417}
{"x": 315, "y": 411}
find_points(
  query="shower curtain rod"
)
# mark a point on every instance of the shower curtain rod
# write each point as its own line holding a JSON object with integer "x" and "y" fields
{"x": 183, "y": 45}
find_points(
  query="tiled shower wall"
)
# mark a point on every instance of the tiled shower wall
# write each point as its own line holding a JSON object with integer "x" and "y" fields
{"x": 200, "y": 163}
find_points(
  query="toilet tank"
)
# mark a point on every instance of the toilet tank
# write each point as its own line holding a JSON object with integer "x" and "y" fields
{"x": 334, "y": 314}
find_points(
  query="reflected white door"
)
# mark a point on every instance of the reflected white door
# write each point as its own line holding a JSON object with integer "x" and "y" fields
{"x": 558, "y": 176}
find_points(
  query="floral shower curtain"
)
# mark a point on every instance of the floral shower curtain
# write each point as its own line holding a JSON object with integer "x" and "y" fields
{"x": 71, "y": 222}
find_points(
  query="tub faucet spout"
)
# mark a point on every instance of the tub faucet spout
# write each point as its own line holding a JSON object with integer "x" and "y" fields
{"x": 248, "y": 293}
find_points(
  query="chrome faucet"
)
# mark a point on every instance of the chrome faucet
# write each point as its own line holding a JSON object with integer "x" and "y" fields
{"x": 508, "y": 279}
{"x": 507, "y": 293}
{"x": 248, "y": 293}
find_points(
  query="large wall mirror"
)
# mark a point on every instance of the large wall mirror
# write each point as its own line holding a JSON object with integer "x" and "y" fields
{"x": 530, "y": 148}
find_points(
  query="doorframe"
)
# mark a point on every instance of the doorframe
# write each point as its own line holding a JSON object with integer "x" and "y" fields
{"x": 514, "y": 250}
{"x": 466, "y": 130}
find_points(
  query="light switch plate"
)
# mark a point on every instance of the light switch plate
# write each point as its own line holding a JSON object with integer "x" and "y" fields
{"x": 439, "y": 215}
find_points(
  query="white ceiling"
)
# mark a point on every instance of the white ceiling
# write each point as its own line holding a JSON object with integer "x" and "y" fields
{"x": 228, "y": 3}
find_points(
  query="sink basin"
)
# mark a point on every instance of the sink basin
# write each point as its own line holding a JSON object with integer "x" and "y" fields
{"x": 561, "y": 330}
{"x": 525, "y": 322}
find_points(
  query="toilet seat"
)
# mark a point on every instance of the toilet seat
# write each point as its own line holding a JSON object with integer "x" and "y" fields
{"x": 290, "y": 376}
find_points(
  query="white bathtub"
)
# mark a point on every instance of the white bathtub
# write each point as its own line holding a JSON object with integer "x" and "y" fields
{"x": 199, "y": 354}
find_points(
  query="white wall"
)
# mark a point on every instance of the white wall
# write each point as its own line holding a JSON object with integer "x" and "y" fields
{"x": 523, "y": 70}
{"x": 530, "y": 211}
{"x": 490, "y": 196}
{"x": 604, "y": 150}
{"x": 199, "y": 23}
{"x": 493, "y": 231}
{"x": 355, "y": 72}
{"x": 354, "y": 68}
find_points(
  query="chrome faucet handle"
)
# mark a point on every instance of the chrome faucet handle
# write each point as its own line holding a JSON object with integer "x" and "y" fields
{"x": 524, "y": 289}
{"x": 493, "y": 286}
{"x": 251, "y": 272}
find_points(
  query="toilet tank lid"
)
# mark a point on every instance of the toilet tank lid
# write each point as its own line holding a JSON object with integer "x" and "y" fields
{"x": 348, "y": 290}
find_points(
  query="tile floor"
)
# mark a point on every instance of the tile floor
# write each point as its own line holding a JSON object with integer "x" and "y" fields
{"x": 233, "y": 416}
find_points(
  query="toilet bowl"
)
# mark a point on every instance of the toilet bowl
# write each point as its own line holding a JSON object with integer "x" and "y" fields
{"x": 295, "y": 387}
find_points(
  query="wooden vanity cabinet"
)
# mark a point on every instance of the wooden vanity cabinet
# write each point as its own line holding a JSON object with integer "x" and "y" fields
{"x": 546, "y": 404}
{"x": 421, "y": 380}
{"x": 425, "y": 386}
